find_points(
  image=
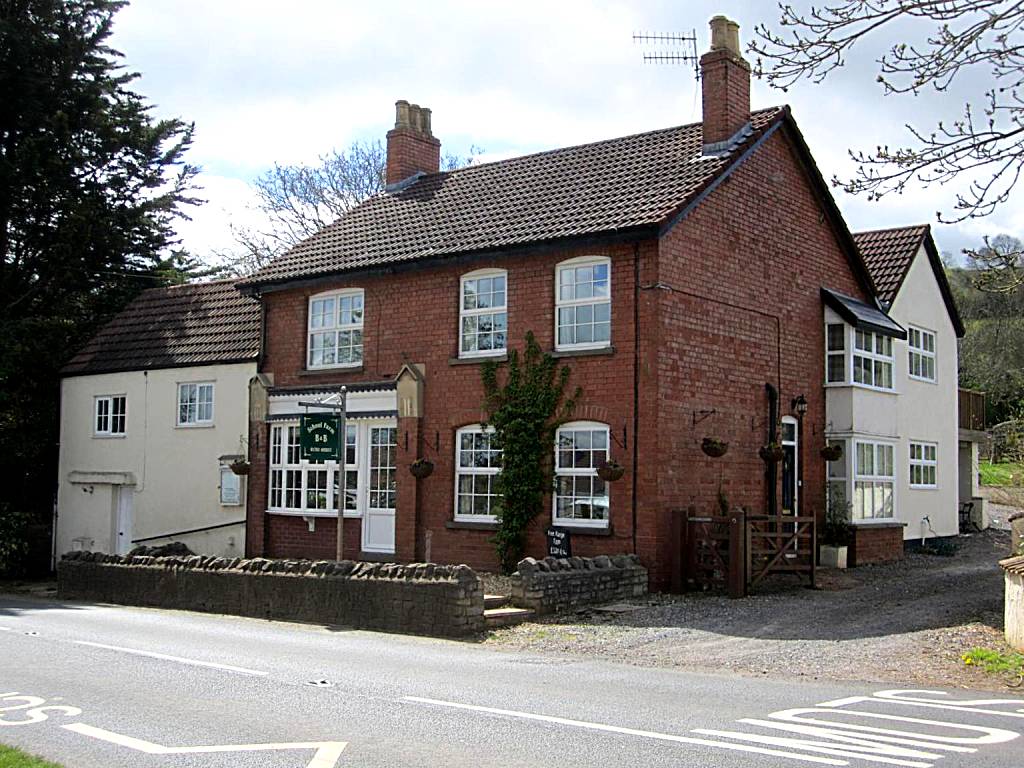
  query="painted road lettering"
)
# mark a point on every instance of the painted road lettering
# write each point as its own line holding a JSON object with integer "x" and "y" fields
{"x": 20, "y": 709}
{"x": 834, "y": 732}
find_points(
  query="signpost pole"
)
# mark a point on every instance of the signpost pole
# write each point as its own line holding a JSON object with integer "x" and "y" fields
{"x": 342, "y": 499}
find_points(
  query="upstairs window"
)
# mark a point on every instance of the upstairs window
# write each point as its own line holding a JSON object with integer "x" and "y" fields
{"x": 583, "y": 304}
{"x": 336, "y": 330}
{"x": 195, "y": 404}
{"x": 872, "y": 359}
{"x": 921, "y": 362}
{"x": 581, "y": 497}
{"x": 483, "y": 314}
{"x": 110, "y": 415}
{"x": 835, "y": 350}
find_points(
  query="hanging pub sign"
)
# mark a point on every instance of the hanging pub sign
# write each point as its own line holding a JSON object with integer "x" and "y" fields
{"x": 318, "y": 437}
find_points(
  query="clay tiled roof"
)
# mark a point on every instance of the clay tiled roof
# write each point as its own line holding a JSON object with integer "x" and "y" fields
{"x": 196, "y": 324}
{"x": 593, "y": 189}
{"x": 888, "y": 254}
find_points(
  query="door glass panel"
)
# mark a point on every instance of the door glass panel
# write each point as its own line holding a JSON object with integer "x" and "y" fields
{"x": 383, "y": 454}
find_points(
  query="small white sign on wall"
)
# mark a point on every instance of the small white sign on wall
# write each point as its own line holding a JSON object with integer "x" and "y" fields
{"x": 230, "y": 487}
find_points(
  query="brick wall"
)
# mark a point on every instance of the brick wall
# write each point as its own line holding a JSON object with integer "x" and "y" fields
{"x": 876, "y": 543}
{"x": 446, "y": 601}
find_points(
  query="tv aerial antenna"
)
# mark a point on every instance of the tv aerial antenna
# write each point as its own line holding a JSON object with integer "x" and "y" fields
{"x": 674, "y": 48}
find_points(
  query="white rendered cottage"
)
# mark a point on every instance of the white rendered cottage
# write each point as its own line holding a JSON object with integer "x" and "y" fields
{"x": 154, "y": 409}
{"x": 892, "y": 389}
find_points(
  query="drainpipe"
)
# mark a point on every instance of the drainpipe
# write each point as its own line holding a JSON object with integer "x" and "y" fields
{"x": 636, "y": 378}
{"x": 773, "y": 437}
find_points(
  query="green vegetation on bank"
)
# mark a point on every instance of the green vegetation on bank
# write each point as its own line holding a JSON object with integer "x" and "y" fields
{"x": 15, "y": 758}
{"x": 995, "y": 662}
{"x": 1005, "y": 473}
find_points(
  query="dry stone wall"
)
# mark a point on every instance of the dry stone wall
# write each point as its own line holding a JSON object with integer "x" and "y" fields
{"x": 420, "y": 598}
{"x": 555, "y": 585}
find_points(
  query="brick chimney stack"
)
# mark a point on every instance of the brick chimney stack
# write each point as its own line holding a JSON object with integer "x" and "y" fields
{"x": 411, "y": 146}
{"x": 725, "y": 86}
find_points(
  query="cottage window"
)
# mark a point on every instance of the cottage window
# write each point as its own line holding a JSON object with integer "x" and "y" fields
{"x": 872, "y": 359}
{"x": 477, "y": 463}
{"x": 581, "y": 497}
{"x": 110, "y": 412}
{"x": 336, "y": 329}
{"x": 923, "y": 465}
{"x": 921, "y": 346}
{"x": 195, "y": 404}
{"x": 873, "y": 481}
{"x": 483, "y": 313}
{"x": 298, "y": 487}
{"x": 583, "y": 304}
{"x": 835, "y": 347}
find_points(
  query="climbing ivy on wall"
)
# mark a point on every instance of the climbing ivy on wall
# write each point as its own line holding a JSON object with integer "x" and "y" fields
{"x": 525, "y": 411}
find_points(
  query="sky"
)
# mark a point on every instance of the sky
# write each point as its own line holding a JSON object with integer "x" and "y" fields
{"x": 272, "y": 82}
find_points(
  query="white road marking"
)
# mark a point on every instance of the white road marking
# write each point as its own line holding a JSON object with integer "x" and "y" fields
{"x": 630, "y": 731}
{"x": 862, "y": 749}
{"x": 898, "y": 697}
{"x": 327, "y": 752}
{"x": 179, "y": 659}
{"x": 6, "y": 629}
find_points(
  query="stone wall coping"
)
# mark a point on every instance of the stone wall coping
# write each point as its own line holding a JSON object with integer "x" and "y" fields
{"x": 529, "y": 566}
{"x": 345, "y": 569}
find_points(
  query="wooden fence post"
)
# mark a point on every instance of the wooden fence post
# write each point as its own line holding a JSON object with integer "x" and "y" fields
{"x": 737, "y": 555}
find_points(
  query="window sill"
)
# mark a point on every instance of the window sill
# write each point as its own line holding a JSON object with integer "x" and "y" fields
{"x": 211, "y": 425}
{"x": 866, "y": 387}
{"x": 318, "y": 513}
{"x": 886, "y": 523}
{"x": 479, "y": 359}
{"x": 922, "y": 379}
{"x": 470, "y": 525}
{"x": 584, "y": 530}
{"x": 924, "y": 487}
{"x": 556, "y": 353}
{"x": 336, "y": 369}
{"x": 121, "y": 436}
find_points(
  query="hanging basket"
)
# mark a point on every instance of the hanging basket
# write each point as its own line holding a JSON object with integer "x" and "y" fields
{"x": 832, "y": 452}
{"x": 610, "y": 470}
{"x": 240, "y": 467}
{"x": 714, "y": 447}
{"x": 771, "y": 453}
{"x": 421, "y": 468}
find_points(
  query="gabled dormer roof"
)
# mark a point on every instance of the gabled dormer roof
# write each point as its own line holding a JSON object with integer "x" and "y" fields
{"x": 888, "y": 254}
{"x": 183, "y": 325}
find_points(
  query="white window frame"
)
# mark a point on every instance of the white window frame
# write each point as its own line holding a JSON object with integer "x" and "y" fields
{"x": 336, "y": 327}
{"x": 474, "y": 472}
{"x": 225, "y": 471}
{"x": 923, "y": 463}
{"x": 110, "y": 416}
{"x": 560, "y": 303}
{"x": 196, "y": 422}
{"x": 466, "y": 313}
{"x": 842, "y": 353}
{"x": 875, "y": 479}
{"x": 579, "y": 472}
{"x": 873, "y": 356}
{"x": 921, "y": 352}
{"x": 278, "y": 461}
{"x": 837, "y": 473}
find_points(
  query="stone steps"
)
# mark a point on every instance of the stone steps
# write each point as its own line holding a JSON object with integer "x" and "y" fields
{"x": 506, "y": 617}
{"x": 495, "y": 601}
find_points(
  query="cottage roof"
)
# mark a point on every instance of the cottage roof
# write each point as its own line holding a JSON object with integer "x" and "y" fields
{"x": 616, "y": 186}
{"x": 888, "y": 254}
{"x": 862, "y": 315}
{"x": 182, "y": 325}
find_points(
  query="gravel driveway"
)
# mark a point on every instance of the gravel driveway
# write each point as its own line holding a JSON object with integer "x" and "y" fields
{"x": 906, "y": 622}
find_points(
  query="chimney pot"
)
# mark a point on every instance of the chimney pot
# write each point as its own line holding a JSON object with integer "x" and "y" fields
{"x": 411, "y": 147}
{"x": 725, "y": 86}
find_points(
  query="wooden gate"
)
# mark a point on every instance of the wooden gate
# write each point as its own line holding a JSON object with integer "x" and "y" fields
{"x": 780, "y": 544}
{"x": 710, "y": 551}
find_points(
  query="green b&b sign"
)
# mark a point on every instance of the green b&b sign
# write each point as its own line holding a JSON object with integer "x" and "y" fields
{"x": 319, "y": 438}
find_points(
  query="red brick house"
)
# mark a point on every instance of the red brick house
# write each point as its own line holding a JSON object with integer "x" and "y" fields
{"x": 677, "y": 272}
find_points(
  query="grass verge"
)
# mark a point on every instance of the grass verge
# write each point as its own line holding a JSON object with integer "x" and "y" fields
{"x": 1005, "y": 473}
{"x": 1008, "y": 663}
{"x": 15, "y": 758}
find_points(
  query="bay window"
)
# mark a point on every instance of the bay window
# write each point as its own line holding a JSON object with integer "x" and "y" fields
{"x": 872, "y": 359}
{"x": 873, "y": 481}
{"x": 300, "y": 487}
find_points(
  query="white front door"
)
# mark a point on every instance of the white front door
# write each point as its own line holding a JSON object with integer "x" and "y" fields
{"x": 123, "y": 498}
{"x": 379, "y": 519}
